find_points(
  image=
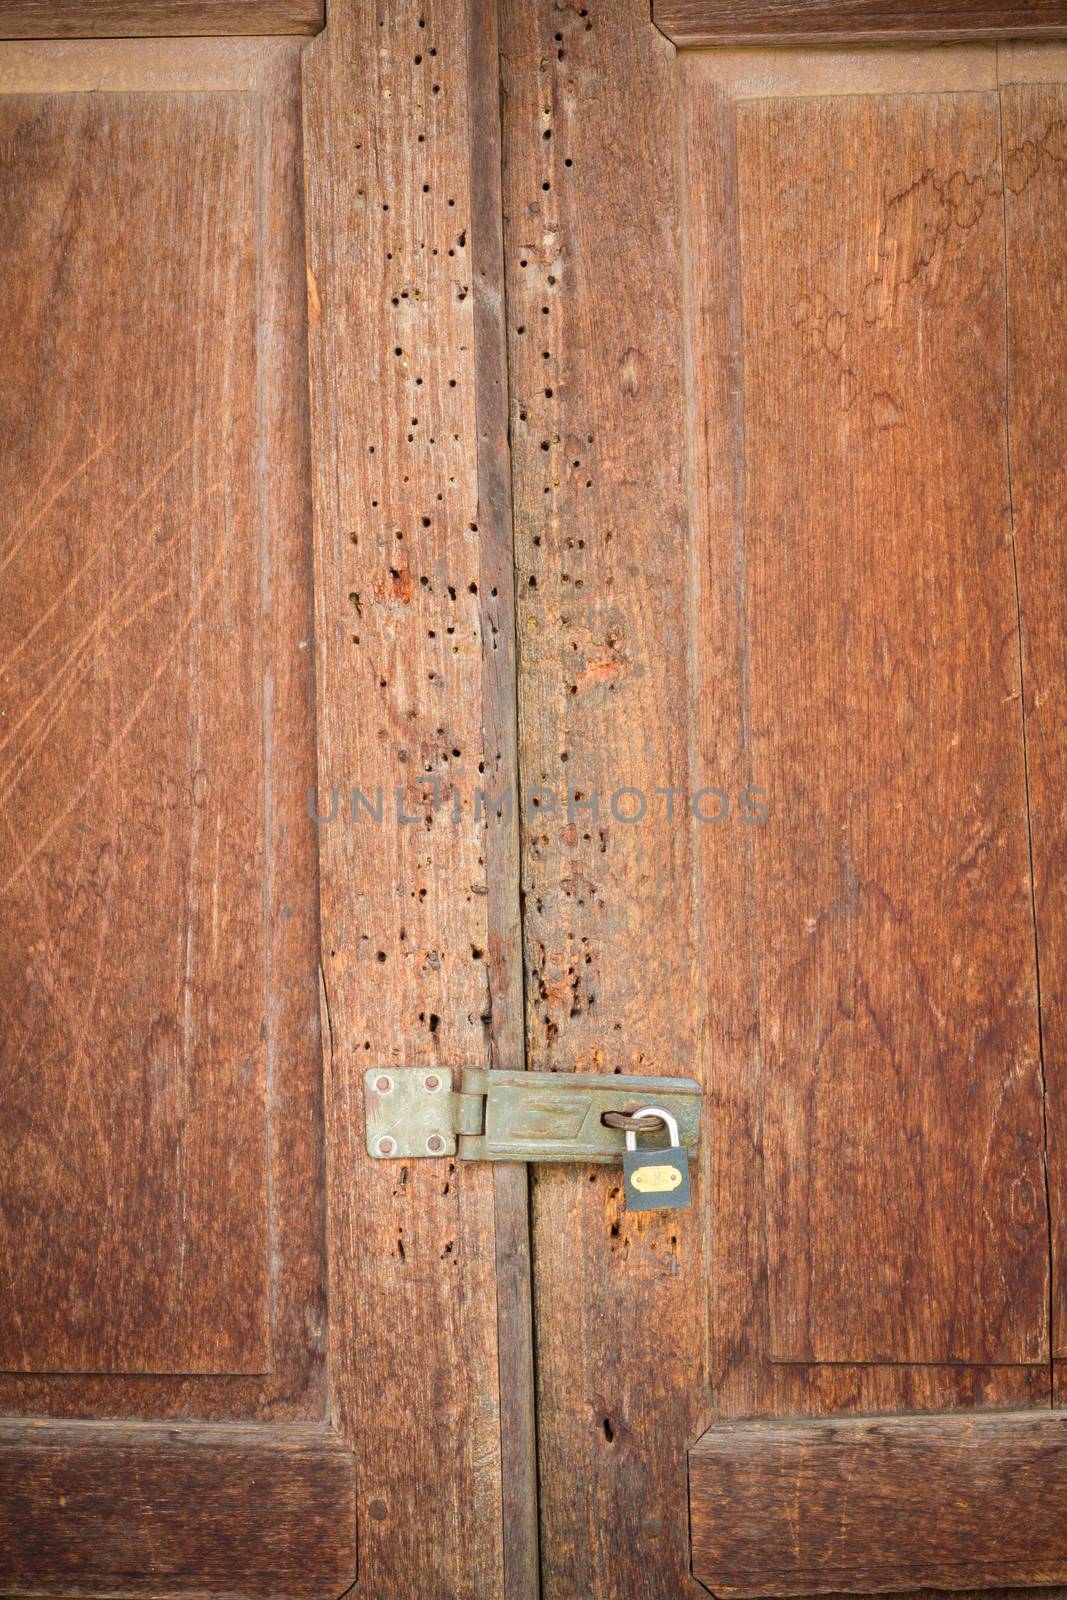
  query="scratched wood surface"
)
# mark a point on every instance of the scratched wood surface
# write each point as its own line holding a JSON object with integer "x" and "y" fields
{"x": 161, "y": 953}
{"x": 1035, "y": 122}
{"x": 693, "y": 23}
{"x": 596, "y": 358}
{"x": 193, "y": 1510}
{"x": 738, "y": 553}
{"x": 896, "y": 975}
{"x": 83, "y": 19}
{"x": 887, "y": 1503}
{"x": 134, "y": 1184}
{"x": 419, "y": 918}
{"x": 515, "y": 1343}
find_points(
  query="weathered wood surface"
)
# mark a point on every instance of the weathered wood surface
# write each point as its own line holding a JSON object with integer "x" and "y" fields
{"x": 755, "y": 644}
{"x": 143, "y": 66}
{"x": 150, "y": 570}
{"x": 692, "y": 23}
{"x": 1035, "y": 124}
{"x": 1035, "y": 189}
{"x": 413, "y": 617}
{"x": 873, "y": 1504}
{"x": 105, "y": 19}
{"x": 515, "y": 1344}
{"x": 201, "y": 1511}
{"x": 596, "y": 355}
{"x": 896, "y": 979}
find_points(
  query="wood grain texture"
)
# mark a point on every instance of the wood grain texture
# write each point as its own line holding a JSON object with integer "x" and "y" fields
{"x": 887, "y": 1503}
{"x": 596, "y": 354}
{"x": 140, "y": 66}
{"x": 1030, "y": 63}
{"x": 739, "y": 675}
{"x": 896, "y": 979}
{"x": 692, "y": 23}
{"x": 515, "y": 1345}
{"x": 772, "y": 74}
{"x": 132, "y": 1509}
{"x": 270, "y": 515}
{"x": 105, "y": 19}
{"x": 135, "y": 1159}
{"x": 418, "y": 920}
{"x": 1035, "y": 170}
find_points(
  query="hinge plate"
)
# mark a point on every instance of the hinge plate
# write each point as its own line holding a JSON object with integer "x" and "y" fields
{"x": 415, "y": 1111}
{"x": 516, "y": 1116}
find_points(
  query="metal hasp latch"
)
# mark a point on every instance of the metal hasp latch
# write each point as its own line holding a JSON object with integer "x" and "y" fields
{"x": 517, "y": 1116}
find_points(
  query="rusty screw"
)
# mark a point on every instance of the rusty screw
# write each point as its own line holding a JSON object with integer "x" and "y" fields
{"x": 383, "y": 1084}
{"x": 435, "y": 1143}
{"x": 385, "y": 1147}
{"x": 433, "y": 1082}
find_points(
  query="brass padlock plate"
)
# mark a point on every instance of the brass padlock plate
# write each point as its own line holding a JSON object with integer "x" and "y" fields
{"x": 655, "y": 1180}
{"x": 650, "y": 1179}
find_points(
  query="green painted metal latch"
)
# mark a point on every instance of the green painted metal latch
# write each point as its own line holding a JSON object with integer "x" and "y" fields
{"x": 517, "y": 1116}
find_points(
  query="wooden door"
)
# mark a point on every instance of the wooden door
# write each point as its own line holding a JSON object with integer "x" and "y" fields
{"x": 227, "y": 1339}
{"x": 665, "y": 428}
{"x": 786, "y": 346}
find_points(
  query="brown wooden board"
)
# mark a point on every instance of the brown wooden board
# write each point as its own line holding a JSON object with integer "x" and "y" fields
{"x": 596, "y": 357}
{"x": 873, "y": 1504}
{"x": 736, "y": 415}
{"x": 1035, "y": 117}
{"x": 164, "y": 1213}
{"x": 804, "y": 1318}
{"x": 692, "y": 23}
{"x": 139, "y": 747}
{"x": 137, "y": 1509}
{"x": 128, "y": 706}
{"x": 896, "y": 979}
{"x": 96, "y": 619}
{"x": 773, "y": 531}
{"x": 100, "y": 19}
{"x": 419, "y": 946}
{"x": 518, "y": 1425}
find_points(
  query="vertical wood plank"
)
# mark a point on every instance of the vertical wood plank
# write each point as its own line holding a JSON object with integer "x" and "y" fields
{"x": 596, "y": 354}
{"x": 135, "y": 737}
{"x": 413, "y": 606}
{"x": 737, "y": 939}
{"x": 518, "y": 1424}
{"x": 1035, "y": 194}
{"x": 896, "y": 971}
{"x": 274, "y": 517}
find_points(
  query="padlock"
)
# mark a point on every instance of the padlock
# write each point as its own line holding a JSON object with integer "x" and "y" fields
{"x": 656, "y": 1180}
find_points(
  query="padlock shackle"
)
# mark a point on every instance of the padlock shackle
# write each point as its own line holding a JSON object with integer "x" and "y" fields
{"x": 669, "y": 1122}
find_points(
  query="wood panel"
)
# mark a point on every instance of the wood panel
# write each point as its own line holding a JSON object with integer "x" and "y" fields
{"x": 99, "y": 19}
{"x": 122, "y": 338}
{"x": 596, "y": 352}
{"x": 874, "y": 1504}
{"x": 692, "y": 23}
{"x": 744, "y": 543}
{"x": 1035, "y": 125}
{"x": 896, "y": 977}
{"x": 413, "y": 639}
{"x": 140, "y": 66}
{"x": 135, "y": 1172}
{"x": 511, "y": 1189}
{"x": 136, "y": 1509}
